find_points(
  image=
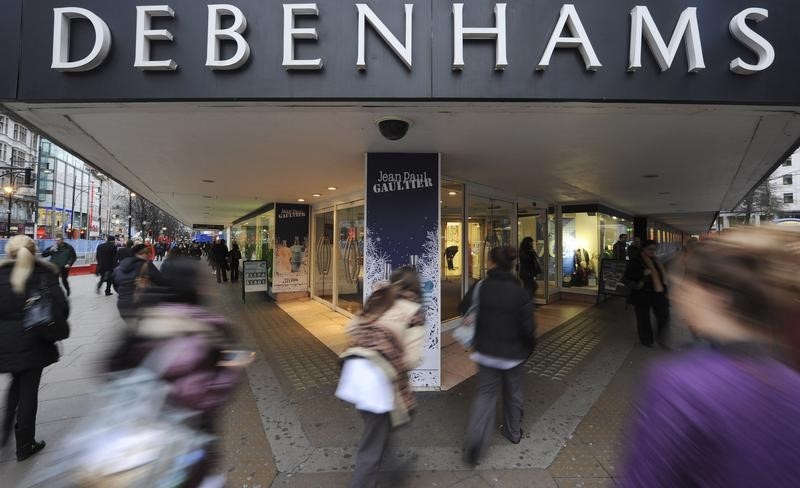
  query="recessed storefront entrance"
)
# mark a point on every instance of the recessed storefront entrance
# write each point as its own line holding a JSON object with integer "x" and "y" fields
{"x": 338, "y": 256}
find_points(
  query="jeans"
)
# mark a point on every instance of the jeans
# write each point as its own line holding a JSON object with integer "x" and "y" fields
{"x": 234, "y": 271}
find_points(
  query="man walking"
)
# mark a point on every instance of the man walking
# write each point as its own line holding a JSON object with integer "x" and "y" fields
{"x": 620, "y": 249}
{"x": 106, "y": 258}
{"x": 219, "y": 257}
{"x": 62, "y": 255}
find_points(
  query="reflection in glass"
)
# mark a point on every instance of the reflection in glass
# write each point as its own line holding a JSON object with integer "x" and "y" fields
{"x": 323, "y": 257}
{"x": 552, "y": 279}
{"x": 531, "y": 231}
{"x": 489, "y": 226}
{"x": 350, "y": 271}
{"x": 452, "y": 247}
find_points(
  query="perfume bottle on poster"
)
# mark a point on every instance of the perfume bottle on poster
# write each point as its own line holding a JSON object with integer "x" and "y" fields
{"x": 413, "y": 262}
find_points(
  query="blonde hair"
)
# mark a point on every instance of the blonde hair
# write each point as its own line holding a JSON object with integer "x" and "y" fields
{"x": 21, "y": 250}
{"x": 758, "y": 269}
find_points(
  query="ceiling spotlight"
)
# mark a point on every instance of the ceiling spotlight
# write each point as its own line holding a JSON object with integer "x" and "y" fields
{"x": 316, "y": 195}
{"x": 332, "y": 188}
{"x": 209, "y": 181}
{"x": 452, "y": 193}
{"x": 301, "y": 199}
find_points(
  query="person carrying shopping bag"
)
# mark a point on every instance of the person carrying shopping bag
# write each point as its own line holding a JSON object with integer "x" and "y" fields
{"x": 385, "y": 344}
{"x": 504, "y": 339}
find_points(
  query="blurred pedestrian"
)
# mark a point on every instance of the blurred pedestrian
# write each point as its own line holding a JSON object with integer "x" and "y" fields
{"x": 124, "y": 252}
{"x": 385, "y": 344}
{"x": 151, "y": 248}
{"x": 24, "y": 352}
{"x": 62, "y": 254}
{"x": 132, "y": 280}
{"x": 647, "y": 281}
{"x": 504, "y": 339}
{"x": 529, "y": 267}
{"x": 727, "y": 415}
{"x": 620, "y": 249}
{"x": 106, "y": 258}
{"x": 235, "y": 257}
{"x": 201, "y": 366}
{"x": 219, "y": 257}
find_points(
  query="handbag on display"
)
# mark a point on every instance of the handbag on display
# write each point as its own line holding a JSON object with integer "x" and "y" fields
{"x": 41, "y": 316}
{"x": 464, "y": 333}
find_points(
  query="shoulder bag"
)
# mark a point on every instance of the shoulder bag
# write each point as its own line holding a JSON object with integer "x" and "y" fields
{"x": 42, "y": 316}
{"x": 465, "y": 332}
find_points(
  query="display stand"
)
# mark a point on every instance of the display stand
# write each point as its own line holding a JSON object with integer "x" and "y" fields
{"x": 612, "y": 279}
{"x": 254, "y": 277}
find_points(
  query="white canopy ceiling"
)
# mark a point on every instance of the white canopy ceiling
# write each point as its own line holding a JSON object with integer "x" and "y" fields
{"x": 682, "y": 162}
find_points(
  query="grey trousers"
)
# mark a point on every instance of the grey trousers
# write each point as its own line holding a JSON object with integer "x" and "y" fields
{"x": 482, "y": 416}
{"x": 377, "y": 428}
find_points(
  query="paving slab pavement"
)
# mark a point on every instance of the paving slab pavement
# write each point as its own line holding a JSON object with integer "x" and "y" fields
{"x": 284, "y": 428}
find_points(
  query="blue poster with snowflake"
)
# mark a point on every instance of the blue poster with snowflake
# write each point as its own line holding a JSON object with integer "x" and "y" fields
{"x": 402, "y": 229}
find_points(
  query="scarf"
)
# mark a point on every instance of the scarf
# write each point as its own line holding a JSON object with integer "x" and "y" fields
{"x": 380, "y": 339}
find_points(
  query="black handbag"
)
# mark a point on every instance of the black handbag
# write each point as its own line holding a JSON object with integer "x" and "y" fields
{"x": 42, "y": 316}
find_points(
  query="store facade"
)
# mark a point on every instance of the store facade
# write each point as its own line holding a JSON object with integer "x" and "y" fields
{"x": 564, "y": 123}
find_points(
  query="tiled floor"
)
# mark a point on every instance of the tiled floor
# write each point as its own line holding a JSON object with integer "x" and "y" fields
{"x": 329, "y": 326}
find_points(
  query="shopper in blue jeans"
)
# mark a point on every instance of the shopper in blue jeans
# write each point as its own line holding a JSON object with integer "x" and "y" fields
{"x": 504, "y": 339}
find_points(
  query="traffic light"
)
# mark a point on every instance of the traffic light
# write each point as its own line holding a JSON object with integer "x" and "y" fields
{"x": 28, "y": 177}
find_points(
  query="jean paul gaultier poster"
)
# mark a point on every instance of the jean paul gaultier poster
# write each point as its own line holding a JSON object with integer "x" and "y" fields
{"x": 290, "y": 270}
{"x": 402, "y": 229}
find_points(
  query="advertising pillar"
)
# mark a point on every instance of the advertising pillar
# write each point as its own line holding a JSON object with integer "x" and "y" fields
{"x": 402, "y": 229}
{"x": 290, "y": 266}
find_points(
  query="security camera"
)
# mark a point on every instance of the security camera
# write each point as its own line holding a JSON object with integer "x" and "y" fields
{"x": 393, "y": 128}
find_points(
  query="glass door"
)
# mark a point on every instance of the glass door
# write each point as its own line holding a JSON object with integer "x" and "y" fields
{"x": 532, "y": 232}
{"x": 350, "y": 257}
{"x": 490, "y": 223}
{"x": 323, "y": 256}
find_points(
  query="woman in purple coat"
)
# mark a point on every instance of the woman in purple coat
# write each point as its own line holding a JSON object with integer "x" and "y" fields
{"x": 728, "y": 416}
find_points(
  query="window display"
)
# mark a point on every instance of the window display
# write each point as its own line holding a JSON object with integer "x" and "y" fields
{"x": 580, "y": 250}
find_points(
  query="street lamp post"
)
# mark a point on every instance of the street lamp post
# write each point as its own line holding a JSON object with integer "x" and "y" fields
{"x": 130, "y": 213}
{"x": 8, "y": 191}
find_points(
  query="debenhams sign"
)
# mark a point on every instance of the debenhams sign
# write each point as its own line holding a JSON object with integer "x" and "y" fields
{"x": 228, "y": 24}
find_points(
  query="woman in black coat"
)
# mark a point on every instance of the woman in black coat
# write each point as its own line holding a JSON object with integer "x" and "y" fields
{"x": 529, "y": 267}
{"x": 504, "y": 339}
{"x": 646, "y": 278}
{"x": 22, "y": 352}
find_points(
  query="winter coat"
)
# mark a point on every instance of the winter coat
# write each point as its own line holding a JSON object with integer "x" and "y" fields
{"x": 235, "y": 256}
{"x": 219, "y": 254}
{"x": 716, "y": 418}
{"x": 640, "y": 285}
{"x": 122, "y": 253}
{"x": 190, "y": 341}
{"x": 63, "y": 256}
{"x": 505, "y": 327}
{"x": 21, "y": 350}
{"x": 620, "y": 251}
{"x": 125, "y": 277}
{"x": 529, "y": 269}
{"x": 106, "y": 257}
